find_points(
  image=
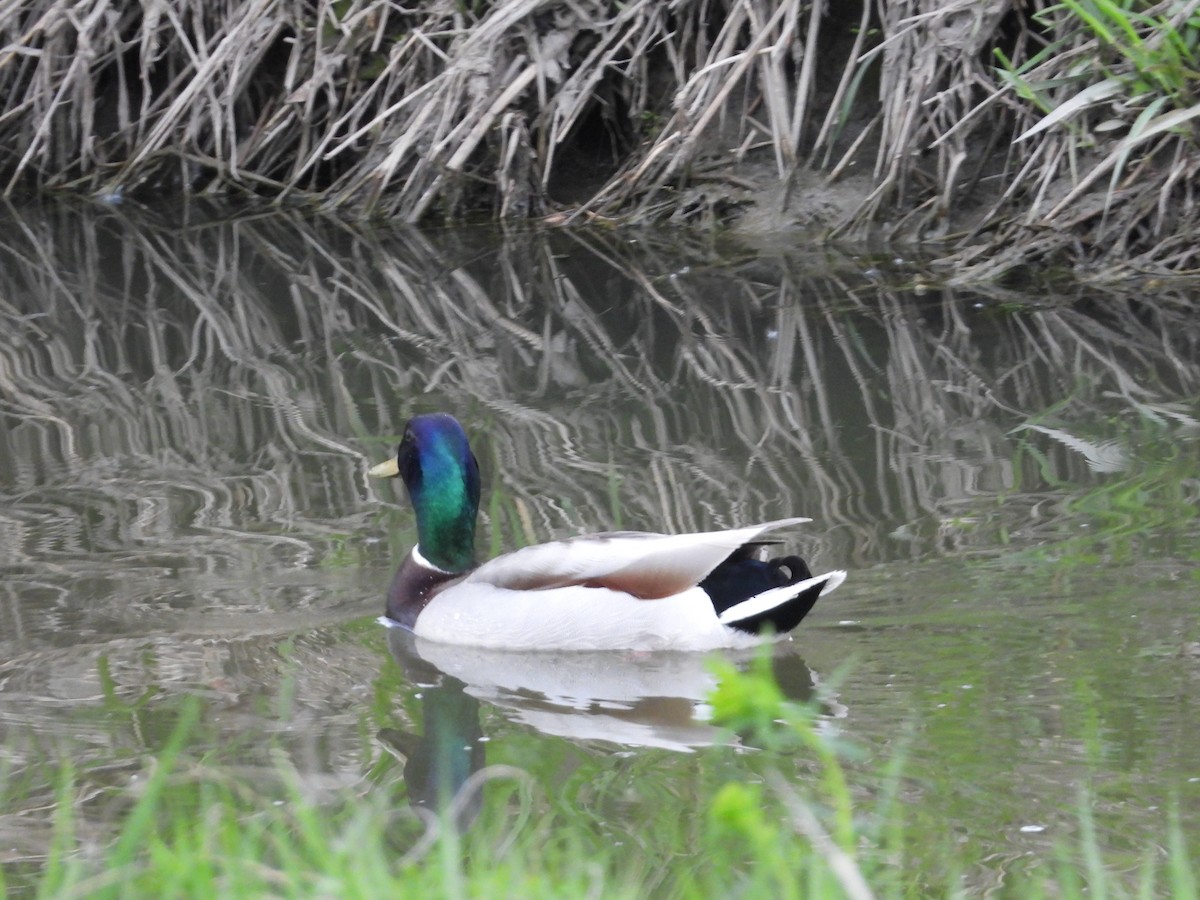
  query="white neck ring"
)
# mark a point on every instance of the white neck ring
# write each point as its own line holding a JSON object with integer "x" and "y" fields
{"x": 420, "y": 560}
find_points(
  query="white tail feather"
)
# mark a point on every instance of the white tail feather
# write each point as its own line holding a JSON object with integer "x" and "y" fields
{"x": 767, "y": 600}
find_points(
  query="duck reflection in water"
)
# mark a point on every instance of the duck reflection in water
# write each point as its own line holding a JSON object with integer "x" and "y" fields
{"x": 439, "y": 763}
{"x": 598, "y": 699}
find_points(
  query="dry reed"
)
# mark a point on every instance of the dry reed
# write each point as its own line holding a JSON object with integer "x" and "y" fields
{"x": 852, "y": 119}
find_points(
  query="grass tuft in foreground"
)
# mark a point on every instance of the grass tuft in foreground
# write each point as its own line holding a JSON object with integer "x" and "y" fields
{"x": 196, "y": 830}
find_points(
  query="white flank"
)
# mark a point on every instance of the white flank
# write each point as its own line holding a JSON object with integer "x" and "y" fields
{"x": 574, "y": 618}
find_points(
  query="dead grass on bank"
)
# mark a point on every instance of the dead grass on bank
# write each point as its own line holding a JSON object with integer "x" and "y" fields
{"x": 635, "y": 111}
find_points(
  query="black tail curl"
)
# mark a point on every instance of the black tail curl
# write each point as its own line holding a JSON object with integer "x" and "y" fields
{"x": 741, "y": 577}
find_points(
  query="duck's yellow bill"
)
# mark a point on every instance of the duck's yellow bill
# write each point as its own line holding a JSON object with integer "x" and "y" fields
{"x": 389, "y": 469}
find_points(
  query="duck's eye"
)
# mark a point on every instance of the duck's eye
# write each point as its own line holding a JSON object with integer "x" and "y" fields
{"x": 409, "y": 464}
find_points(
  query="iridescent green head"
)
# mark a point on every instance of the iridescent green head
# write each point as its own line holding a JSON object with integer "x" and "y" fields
{"x": 442, "y": 478}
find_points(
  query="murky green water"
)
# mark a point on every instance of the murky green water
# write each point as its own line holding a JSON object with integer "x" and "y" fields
{"x": 188, "y": 408}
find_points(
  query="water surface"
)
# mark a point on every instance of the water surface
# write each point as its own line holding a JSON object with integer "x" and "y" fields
{"x": 188, "y": 407}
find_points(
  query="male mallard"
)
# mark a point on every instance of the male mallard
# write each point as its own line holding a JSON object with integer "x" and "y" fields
{"x": 621, "y": 590}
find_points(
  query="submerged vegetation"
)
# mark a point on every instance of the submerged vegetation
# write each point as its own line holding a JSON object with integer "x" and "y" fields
{"x": 1013, "y": 132}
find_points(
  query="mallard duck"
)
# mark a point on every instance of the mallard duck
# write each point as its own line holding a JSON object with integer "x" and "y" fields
{"x": 619, "y": 590}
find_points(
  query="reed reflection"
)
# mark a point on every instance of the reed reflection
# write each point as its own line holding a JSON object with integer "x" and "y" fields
{"x": 190, "y": 404}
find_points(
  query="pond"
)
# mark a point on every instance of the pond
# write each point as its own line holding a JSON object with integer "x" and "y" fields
{"x": 189, "y": 405}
